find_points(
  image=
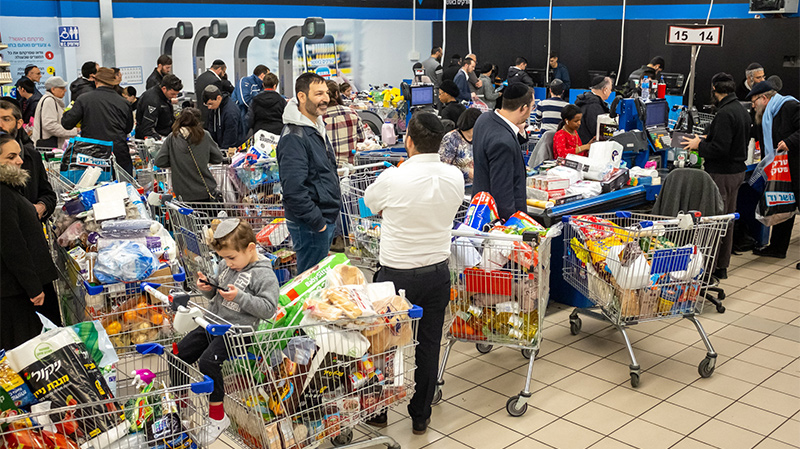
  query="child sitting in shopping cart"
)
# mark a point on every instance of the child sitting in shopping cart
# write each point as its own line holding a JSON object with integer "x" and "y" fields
{"x": 245, "y": 291}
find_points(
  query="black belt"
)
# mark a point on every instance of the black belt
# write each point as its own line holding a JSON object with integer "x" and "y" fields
{"x": 421, "y": 270}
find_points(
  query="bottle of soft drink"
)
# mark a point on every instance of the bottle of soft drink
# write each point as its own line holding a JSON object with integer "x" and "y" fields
{"x": 662, "y": 89}
{"x": 646, "y": 89}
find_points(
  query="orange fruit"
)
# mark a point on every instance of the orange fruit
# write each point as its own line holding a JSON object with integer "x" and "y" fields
{"x": 157, "y": 318}
{"x": 130, "y": 315}
{"x": 142, "y": 308}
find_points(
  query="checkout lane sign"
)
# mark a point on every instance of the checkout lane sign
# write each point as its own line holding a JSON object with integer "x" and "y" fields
{"x": 695, "y": 35}
{"x": 68, "y": 36}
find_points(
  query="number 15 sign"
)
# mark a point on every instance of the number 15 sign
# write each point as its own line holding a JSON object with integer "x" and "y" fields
{"x": 695, "y": 35}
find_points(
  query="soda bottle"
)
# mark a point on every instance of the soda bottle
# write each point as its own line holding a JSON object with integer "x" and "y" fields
{"x": 646, "y": 89}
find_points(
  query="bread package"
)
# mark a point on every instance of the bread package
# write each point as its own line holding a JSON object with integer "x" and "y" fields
{"x": 345, "y": 275}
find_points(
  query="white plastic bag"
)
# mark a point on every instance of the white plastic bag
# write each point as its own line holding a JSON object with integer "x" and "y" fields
{"x": 634, "y": 276}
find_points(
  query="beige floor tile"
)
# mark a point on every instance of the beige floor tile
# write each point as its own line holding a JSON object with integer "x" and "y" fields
{"x": 597, "y": 346}
{"x": 723, "y": 385}
{"x": 701, "y": 401}
{"x": 784, "y": 383}
{"x": 599, "y": 418}
{"x": 584, "y": 385}
{"x": 693, "y": 355}
{"x": 610, "y": 443}
{"x": 786, "y": 303}
{"x": 745, "y": 371}
{"x": 679, "y": 334}
{"x": 646, "y": 360}
{"x": 505, "y": 358}
{"x": 735, "y": 282}
{"x": 780, "y": 345}
{"x": 659, "y": 345}
{"x": 767, "y": 359}
{"x": 545, "y": 371}
{"x": 754, "y": 296}
{"x": 722, "y": 434}
{"x": 789, "y": 332}
{"x": 486, "y": 434}
{"x": 533, "y": 420}
{"x": 770, "y": 443}
{"x": 675, "y": 370}
{"x": 609, "y": 370}
{"x": 454, "y": 386}
{"x": 788, "y": 432}
{"x": 448, "y": 443}
{"x": 562, "y": 335}
{"x": 547, "y": 347}
{"x": 613, "y": 334}
{"x": 556, "y": 402}
{"x": 762, "y": 266}
{"x": 758, "y": 324}
{"x": 656, "y": 386}
{"x": 447, "y": 418}
{"x": 709, "y": 325}
{"x": 572, "y": 358}
{"x": 730, "y": 316}
{"x": 739, "y": 334}
{"x": 402, "y": 433}
{"x": 770, "y": 288}
{"x": 775, "y": 314}
{"x": 480, "y": 401}
{"x": 671, "y": 416}
{"x": 738, "y": 304}
{"x": 477, "y": 371}
{"x": 455, "y": 358}
{"x": 511, "y": 384}
{"x": 743, "y": 273}
{"x": 793, "y": 368}
{"x": 628, "y": 401}
{"x": 526, "y": 443}
{"x": 789, "y": 281}
{"x": 689, "y": 443}
{"x": 751, "y": 418}
{"x": 726, "y": 349}
{"x": 643, "y": 434}
{"x": 564, "y": 434}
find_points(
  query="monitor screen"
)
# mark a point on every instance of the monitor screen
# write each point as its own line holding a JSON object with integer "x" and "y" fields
{"x": 657, "y": 113}
{"x": 421, "y": 95}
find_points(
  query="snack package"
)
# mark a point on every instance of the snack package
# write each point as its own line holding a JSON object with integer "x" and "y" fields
{"x": 168, "y": 432}
{"x": 482, "y": 211}
{"x": 521, "y": 222}
{"x": 274, "y": 233}
{"x": 342, "y": 275}
{"x": 594, "y": 228}
{"x": 352, "y": 300}
{"x": 12, "y": 384}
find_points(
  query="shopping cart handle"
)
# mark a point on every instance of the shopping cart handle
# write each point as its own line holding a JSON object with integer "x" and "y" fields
{"x": 415, "y": 312}
{"x": 623, "y": 214}
{"x": 204, "y": 387}
{"x": 180, "y": 276}
{"x": 217, "y": 330}
{"x": 150, "y": 348}
{"x": 565, "y": 218}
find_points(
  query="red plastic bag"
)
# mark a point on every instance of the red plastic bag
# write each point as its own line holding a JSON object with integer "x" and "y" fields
{"x": 777, "y": 203}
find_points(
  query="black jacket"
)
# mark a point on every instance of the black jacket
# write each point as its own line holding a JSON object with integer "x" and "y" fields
{"x": 742, "y": 91}
{"x": 225, "y": 124}
{"x": 38, "y": 188}
{"x": 154, "y": 115}
{"x": 517, "y": 75}
{"x": 499, "y": 167}
{"x": 725, "y": 147}
{"x": 79, "y": 87}
{"x": 103, "y": 115}
{"x": 452, "y": 111}
{"x": 591, "y": 106}
{"x": 450, "y": 72}
{"x": 204, "y": 80}
{"x": 308, "y": 172}
{"x": 154, "y": 79}
{"x": 266, "y": 112}
{"x": 29, "y": 106}
{"x": 25, "y": 260}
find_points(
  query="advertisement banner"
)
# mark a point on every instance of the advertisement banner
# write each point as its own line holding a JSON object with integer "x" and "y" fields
{"x": 37, "y": 45}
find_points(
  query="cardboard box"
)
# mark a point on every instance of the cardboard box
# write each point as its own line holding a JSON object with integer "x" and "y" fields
{"x": 618, "y": 179}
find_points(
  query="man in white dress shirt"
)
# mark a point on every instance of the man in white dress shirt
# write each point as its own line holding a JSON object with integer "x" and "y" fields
{"x": 419, "y": 201}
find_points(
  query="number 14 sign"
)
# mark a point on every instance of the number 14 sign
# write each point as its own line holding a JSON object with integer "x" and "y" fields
{"x": 695, "y": 35}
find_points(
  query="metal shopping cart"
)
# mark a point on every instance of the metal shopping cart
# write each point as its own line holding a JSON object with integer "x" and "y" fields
{"x": 636, "y": 268}
{"x": 394, "y": 156}
{"x": 318, "y": 380}
{"x": 129, "y": 419}
{"x": 500, "y": 290}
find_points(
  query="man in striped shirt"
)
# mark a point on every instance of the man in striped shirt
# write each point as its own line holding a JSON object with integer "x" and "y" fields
{"x": 547, "y": 114}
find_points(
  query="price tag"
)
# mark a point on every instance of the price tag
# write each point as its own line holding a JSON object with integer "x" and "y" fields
{"x": 695, "y": 35}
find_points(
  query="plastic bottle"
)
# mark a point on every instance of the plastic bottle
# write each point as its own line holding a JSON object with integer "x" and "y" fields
{"x": 645, "y": 89}
{"x": 662, "y": 89}
{"x": 387, "y": 133}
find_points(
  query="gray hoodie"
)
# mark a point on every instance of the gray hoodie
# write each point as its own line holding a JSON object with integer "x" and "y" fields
{"x": 257, "y": 298}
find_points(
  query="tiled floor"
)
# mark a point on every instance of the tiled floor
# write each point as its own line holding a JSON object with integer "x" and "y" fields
{"x": 581, "y": 389}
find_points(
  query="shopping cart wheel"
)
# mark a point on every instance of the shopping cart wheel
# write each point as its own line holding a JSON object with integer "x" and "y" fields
{"x": 514, "y": 409}
{"x": 437, "y": 396}
{"x": 706, "y": 367}
{"x": 634, "y": 379}
{"x": 527, "y": 353}
{"x": 343, "y": 439}
{"x": 720, "y": 308}
{"x": 483, "y": 348}
{"x": 575, "y": 325}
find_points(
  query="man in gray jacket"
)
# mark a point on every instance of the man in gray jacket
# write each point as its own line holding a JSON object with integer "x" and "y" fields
{"x": 433, "y": 68}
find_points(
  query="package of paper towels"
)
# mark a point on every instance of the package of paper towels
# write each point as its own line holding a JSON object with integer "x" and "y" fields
{"x": 604, "y": 152}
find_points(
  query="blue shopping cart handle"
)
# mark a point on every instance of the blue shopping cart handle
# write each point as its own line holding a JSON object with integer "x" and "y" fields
{"x": 204, "y": 387}
{"x": 623, "y": 214}
{"x": 415, "y": 312}
{"x": 218, "y": 329}
{"x": 565, "y": 218}
{"x": 179, "y": 276}
{"x": 150, "y": 348}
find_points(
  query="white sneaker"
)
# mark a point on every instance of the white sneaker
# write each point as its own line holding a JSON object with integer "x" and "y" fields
{"x": 210, "y": 434}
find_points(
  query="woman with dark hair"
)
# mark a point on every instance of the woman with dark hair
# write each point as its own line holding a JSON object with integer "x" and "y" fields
{"x": 456, "y": 146}
{"x": 188, "y": 150}
{"x": 566, "y": 140}
{"x": 487, "y": 90}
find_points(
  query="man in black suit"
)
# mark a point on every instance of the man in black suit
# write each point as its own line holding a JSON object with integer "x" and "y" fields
{"x": 215, "y": 75}
{"x": 497, "y": 154}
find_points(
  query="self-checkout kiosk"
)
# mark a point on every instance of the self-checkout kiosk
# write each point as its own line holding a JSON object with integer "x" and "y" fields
{"x": 312, "y": 28}
{"x": 264, "y": 29}
{"x": 183, "y": 30}
{"x": 218, "y": 30}
{"x": 640, "y": 127}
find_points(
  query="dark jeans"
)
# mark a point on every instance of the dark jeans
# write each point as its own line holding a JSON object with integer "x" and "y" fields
{"x": 728, "y": 185}
{"x": 781, "y": 236}
{"x": 429, "y": 288}
{"x": 310, "y": 245}
{"x": 210, "y": 353}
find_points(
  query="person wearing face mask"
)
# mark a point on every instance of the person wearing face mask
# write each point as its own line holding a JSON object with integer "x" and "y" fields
{"x": 26, "y": 286}
{"x": 724, "y": 151}
{"x": 311, "y": 195}
{"x": 47, "y": 129}
{"x": 778, "y": 119}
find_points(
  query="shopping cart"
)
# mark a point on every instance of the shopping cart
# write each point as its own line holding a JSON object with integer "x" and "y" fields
{"x": 394, "y": 156}
{"x": 173, "y": 413}
{"x": 191, "y": 225}
{"x": 499, "y": 295}
{"x": 636, "y": 268}
{"x": 318, "y": 380}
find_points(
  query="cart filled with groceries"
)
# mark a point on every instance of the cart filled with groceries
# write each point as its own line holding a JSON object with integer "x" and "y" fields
{"x": 636, "y": 268}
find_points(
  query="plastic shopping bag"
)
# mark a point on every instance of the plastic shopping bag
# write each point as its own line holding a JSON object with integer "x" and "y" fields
{"x": 83, "y": 153}
{"x": 778, "y": 203}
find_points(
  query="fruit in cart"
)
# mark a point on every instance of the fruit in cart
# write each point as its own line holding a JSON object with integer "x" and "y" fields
{"x": 157, "y": 319}
{"x": 143, "y": 332}
{"x": 130, "y": 316}
{"x": 142, "y": 308}
{"x": 113, "y": 328}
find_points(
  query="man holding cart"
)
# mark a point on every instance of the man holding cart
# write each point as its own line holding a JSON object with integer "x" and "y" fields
{"x": 419, "y": 201}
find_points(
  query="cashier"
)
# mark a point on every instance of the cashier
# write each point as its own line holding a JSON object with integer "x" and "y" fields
{"x": 566, "y": 140}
